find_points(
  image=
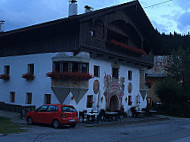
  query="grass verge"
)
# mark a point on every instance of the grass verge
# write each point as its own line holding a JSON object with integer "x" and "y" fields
{"x": 8, "y": 127}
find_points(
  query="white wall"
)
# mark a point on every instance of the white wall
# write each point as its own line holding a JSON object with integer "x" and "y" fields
{"x": 106, "y": 68}
{"x": 19, "y": 66}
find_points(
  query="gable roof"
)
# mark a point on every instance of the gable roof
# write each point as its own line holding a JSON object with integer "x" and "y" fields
{"x": 77, "y": 18}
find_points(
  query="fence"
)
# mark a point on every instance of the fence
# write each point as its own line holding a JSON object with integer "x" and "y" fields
{"x": 16, "y": 108}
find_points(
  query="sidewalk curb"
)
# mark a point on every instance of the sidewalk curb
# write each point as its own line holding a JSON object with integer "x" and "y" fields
{"x": 125, "y": 122}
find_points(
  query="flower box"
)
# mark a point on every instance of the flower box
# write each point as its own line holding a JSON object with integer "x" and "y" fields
{"x": 4, "y": 77}
{"x": 69, "y": 76}
{"x": 129, "y": 48}
{"x": 28, "y": 76}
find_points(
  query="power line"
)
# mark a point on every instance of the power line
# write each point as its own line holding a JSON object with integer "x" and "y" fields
{"x": 160, "y": 3}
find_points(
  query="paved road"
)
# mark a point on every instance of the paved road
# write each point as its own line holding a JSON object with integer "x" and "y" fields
{"x": 173, "y": 130}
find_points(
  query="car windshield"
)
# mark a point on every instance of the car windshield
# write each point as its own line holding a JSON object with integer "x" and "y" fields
{"x": 68, "y": 109}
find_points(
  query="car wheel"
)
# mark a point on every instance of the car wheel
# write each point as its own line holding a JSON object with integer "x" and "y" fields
{"x": 73, "y": 125}
{"x": 55, "y": 124}
{"x": 29, "y": 121}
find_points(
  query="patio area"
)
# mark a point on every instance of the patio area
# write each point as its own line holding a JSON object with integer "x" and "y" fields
{"x": 118, "y": 117}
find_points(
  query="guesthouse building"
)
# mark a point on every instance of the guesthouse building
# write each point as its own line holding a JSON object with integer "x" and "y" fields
{"x": 95, "y": 60}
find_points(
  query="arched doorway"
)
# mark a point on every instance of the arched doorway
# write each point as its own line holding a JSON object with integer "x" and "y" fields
{"x": 114, "y": 103}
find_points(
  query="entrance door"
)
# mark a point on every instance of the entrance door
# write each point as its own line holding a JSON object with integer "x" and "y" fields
{"x": 114, "y": 103}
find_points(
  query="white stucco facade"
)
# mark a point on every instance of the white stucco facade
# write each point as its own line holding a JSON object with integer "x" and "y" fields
{"x": 41, "y": 84}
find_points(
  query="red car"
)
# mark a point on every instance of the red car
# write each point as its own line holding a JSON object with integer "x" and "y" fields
{"x": 54, "y": 114}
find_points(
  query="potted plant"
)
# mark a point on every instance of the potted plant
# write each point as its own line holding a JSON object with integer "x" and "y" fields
{"x": 4, "y": 76}
{"x": 28, "y": 76}
{"x": 129, "y": 48}
{"x": 77, "y": 76}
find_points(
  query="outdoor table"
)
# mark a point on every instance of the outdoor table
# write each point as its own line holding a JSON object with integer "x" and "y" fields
{"x": 110, "y": 115}
{"x": 91, "y": 116}
{"x": 152, "y": 113}
{"x": 140, "y": 114}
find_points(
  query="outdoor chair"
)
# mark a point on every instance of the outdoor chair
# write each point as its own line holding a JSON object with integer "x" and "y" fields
{"x": 118, "y": 115}
{"x": 82, "y": 114}
{"x": 147, "y": 112}
{"x": 134, "y": 112}
{"x": 102, "y": 115}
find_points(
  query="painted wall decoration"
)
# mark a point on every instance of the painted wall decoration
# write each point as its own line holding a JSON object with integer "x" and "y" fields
{"x": 160, "y": 66}
{"x": 96, "y": 86}
{"x": 130, "y": 87}
{"x": 112, "y": 88}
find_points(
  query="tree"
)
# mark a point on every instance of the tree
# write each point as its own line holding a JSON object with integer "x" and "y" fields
{"x": 173, "y": 97}
{"x": 180, "y": 67}
{"x": 174, "y": 90}
{"x": 166, "y": 43}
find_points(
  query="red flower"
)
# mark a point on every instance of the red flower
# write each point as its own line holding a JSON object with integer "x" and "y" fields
{"x": 69, "y": 76}
{"x": 132, "y": 49}
{"x": 4, "y": 77}
{"x": 28, "y": 76}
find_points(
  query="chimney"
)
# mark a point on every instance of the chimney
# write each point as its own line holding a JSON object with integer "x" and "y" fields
{"x": 88, "y": 8}
{"x": 72, "y": 7}
{"x": 2, "y": 26}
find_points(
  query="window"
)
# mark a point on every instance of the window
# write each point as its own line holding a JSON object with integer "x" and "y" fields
{"x": 47, "y": 99}
{"x": 75, "y": 67}
{"x": 60, "y": 66}
{"x": 129, "y": 100}
{"x": 146, "y": 76}
{"x": 129, "y": 75}
{"x": 57, "y": 66}
{"x": 96, "y": 71}
{"x": 52, "y": 109}
{"x": 70, "y": 67}
{"x": 84, "y": 67}
{"x": 65, "y": 67}
{"x": 12, "y": 97}
{"x": 31, "y": 69}
{"x": 89, "y": 101}
{"x": 7, "y": 70}
{"x": 115, "y": 73}
{"x": 68, "y": 109}
{"x": 28, "y": 98}
{"x": 42, "y": 109}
